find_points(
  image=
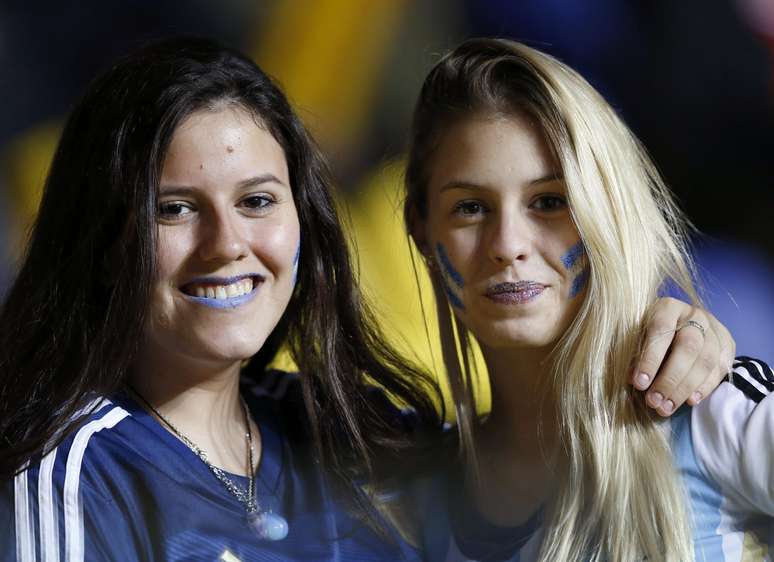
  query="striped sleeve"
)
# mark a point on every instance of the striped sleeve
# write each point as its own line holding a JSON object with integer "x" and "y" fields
{"x": 47, "y": 504}
{"x": 733, "y": 436}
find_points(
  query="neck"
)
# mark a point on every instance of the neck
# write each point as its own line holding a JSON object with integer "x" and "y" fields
{"x": 201, "y": 401}
{"x": 521, "y": 401}
{"x": 518, "y": 444}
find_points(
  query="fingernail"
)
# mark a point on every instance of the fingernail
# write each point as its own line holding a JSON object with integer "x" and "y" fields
{"x": 642, "y": 381}
{"x": 667, "y": 407}
{"x": 656, "y": 398}
{"x": 696, "y": 397}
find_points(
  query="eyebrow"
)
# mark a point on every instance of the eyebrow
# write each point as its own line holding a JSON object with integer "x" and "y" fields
{"x": 462, "y": 184}
{"x": 553, "y": 176}
{"x": 258, "y": 180}
{"x": 244, "y": 184}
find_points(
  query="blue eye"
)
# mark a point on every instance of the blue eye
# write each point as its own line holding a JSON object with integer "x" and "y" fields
{"x": 549, "y": 203}
{"x": 469, "y": 208}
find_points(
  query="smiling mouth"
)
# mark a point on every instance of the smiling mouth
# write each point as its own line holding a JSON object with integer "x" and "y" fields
{"x": 519, "y": 292}
{"x": 222, "y": 288}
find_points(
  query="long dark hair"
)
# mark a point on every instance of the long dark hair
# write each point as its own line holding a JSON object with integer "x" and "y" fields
{"x": 73, "y": 319}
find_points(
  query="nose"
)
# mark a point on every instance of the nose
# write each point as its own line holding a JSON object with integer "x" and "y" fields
{"x": 510, "y": 239}
{"x": 221, "y": 237}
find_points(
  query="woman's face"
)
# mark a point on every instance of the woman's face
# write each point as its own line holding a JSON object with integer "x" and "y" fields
{"x": 500, "y": 232}
{"x": 228, "y": 239}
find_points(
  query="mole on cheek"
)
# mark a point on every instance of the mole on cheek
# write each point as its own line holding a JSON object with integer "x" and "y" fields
{"x": 201, "y": 166}
{"x": 229, "y": 149}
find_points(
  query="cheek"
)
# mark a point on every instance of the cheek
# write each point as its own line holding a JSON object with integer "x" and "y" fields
{"x": 453, "y": 281}
{"x": 279, "y": 247}
{"x": 576, "y": 267}
{"x": 174, "y": 246}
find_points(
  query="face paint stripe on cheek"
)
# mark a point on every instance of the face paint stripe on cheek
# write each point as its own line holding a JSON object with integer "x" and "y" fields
{"x": 579, "y": 283}
{"x": 447, "y": 266}
{"x": 575, "y": 261}
{"x": 573, "y": 255}
{"x": 295, "y": 262}
{"x": 452, "y": 279}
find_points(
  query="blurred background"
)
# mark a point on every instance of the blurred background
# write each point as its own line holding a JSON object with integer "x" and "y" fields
{"x": 694, "y": 79}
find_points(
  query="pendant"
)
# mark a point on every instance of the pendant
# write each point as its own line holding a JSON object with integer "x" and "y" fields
{"x": 268, "y": 526}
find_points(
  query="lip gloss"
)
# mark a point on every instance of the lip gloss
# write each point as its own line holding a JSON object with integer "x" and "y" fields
{"x": 520, "y": 292}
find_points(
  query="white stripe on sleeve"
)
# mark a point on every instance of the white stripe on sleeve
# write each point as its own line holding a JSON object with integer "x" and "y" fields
{"x": 49, "y": 532}
{"x": 73, "y": 507}
{"x": 25, "y": 537}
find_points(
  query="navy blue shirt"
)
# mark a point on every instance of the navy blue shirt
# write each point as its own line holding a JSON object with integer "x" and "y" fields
{"x": 122, "y": 487}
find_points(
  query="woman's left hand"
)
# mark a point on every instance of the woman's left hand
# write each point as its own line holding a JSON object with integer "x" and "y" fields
{"x": 686, "y": 354}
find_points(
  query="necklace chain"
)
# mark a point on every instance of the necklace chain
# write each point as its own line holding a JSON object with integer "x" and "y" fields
{"x": 245, "y": 497}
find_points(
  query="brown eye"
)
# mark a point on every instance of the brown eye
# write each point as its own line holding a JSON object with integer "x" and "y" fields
{"x": 258, "y": 202}
{"x": 469, "y": 208}
{"x": 174, "y": 209}
{"x": 549, "y": 203}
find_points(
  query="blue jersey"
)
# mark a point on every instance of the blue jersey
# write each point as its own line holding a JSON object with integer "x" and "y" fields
{"x": 723, "y": 450}
{"x": 121, "y": 487}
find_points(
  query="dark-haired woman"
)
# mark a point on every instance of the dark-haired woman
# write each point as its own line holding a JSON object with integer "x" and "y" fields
{"x": 187, "y": 228}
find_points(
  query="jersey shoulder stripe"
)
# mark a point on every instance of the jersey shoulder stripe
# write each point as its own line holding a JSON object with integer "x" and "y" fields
{"x": 759, "y": 370}
{"x": 35, "y": 492}
{"x": 753, "y": 377}
{"x": 74, "y": 539}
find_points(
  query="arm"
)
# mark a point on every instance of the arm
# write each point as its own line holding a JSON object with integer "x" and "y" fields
{"x": 732, "y": 437}
{"x": 679, "y": 363}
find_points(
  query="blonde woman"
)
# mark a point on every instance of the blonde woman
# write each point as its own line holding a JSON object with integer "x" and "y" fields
{"x": 549, "y": 234}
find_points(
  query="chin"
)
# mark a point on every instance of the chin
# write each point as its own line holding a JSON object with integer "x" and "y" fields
{"x": 229, "y": 345}
{"x": 506, "y": 335}
{"x": 497, "y": 341}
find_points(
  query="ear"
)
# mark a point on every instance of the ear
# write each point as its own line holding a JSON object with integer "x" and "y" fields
{"x": 418, "y": 231}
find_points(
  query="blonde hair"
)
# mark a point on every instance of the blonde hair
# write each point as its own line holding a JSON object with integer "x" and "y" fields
{"x": 622, "y": 498}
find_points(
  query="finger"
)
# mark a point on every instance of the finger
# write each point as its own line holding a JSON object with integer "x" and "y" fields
{"x": 700, "y": 380}
{"x": 726, "y": 344}
{"x": 715, "y": 358}
{"x": 687, "y": 347}
{"x": 658, "y": 337}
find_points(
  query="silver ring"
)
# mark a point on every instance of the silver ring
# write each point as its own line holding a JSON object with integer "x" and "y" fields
{"x": 695, "y": 324}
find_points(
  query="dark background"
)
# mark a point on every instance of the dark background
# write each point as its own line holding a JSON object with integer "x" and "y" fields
{"x": 692, "y": 78}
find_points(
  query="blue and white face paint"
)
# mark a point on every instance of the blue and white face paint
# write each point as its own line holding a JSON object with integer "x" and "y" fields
{"x": 452, "y": 279}
{"x": 575, "y": 261}
{"x": 295, "y": 262}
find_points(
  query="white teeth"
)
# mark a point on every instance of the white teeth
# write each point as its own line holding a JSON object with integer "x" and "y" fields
{"x": 236, "y": 289}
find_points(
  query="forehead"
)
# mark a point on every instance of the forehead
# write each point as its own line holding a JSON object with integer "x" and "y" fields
{"x": 491, "y": 149}
{"x": 228, "y": 140}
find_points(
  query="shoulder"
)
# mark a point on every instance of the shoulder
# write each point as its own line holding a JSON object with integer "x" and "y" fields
{"x": 67, "y": 464}
{"x": 272, "y": 385}
{"x": 733, "y": 435}
{"x": 47, "y": 499}
{"x": 283, "y": 391}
